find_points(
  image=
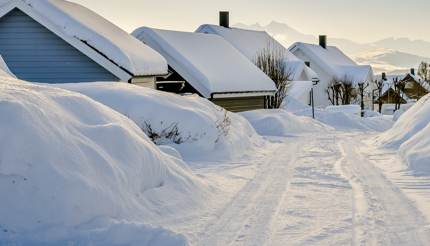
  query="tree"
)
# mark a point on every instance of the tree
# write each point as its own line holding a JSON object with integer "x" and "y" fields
{"x": 399, "y": 87}
{"x": 362, "y": 88}
{"x": 271, "y": 60}
{"x": 379, "y": 86}
{"x": 341, "y": 91}
{"x": 424, "y": 71}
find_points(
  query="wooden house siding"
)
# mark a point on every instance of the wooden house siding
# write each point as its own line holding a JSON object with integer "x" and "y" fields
{"x": 34, "y": 53}
{"x": 240, "y": 104}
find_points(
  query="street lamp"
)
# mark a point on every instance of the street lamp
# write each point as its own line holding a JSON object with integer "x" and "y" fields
{"x": 315, "y": 82}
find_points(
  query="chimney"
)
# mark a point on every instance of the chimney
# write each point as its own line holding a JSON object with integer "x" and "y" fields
{"x": 384, "y": 76}
{"x": 308, "y": 63}
{"x": 224, "y": 19}
{"x": 413, "y": 71}
{"x": 323, "y": 41}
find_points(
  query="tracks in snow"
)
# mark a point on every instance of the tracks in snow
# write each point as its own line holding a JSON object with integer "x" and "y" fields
{"x": 317, "y": 191}
{"x": 247, "y": 219}
{"x": 383, "y": 215}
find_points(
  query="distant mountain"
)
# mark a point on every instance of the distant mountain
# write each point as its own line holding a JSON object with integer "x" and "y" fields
{"x": 390, "y": 55}
{"x": 391, "y": 61}
{"x": 416, "y": 47}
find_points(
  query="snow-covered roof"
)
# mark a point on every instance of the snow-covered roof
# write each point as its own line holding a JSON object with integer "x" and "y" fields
{"x": 389, "y": 80}
{"x": 101, "y": 40}
{"x": 251, "y": 43}
{"x": 4, "y": 70}
{"x": 335, "y": 62}
{"x": 209, "y": 63}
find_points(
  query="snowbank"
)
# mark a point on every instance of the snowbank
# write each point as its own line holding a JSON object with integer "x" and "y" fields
{"x": 409, "y": 124}
{"x": 279, "y": 122}
{"x": 74, "y": 170}
{"x": 194, "y": 126}
{"x": 347, "y": 109}
{"x": 410, "y": 134}
{"x": 339, "y": 118}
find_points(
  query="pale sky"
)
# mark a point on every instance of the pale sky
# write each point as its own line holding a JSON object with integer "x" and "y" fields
{"x": 358, "y": 20}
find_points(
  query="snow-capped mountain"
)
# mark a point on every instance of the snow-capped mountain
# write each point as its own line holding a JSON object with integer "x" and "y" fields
{"x": 389, "y": 60}
{"x": 391, "y": 55}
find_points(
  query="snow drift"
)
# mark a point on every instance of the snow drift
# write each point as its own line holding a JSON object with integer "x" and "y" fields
{"x": 73, "y": 169}
{"x": 278, "y": 122}
{"x": 410, "y": 134}
{"x": 193, "y": 125}
{"x": 343, "y": 118}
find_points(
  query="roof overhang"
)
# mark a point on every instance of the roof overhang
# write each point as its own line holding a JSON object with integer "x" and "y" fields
{"x": 242, "y": 94}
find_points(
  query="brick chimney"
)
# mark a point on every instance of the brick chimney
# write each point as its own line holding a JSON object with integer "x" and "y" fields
{"x": 413, "y": 71}
{"x": 224, "y": 19}
{"x": 323, "y": 41}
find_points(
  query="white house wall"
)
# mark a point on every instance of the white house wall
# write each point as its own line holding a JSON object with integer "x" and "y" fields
{"x": 320, "y": 94}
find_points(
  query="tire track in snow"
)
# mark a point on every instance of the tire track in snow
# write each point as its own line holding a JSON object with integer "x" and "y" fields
{"x": 383, "y": 215}
{"x": 247, "y": 219}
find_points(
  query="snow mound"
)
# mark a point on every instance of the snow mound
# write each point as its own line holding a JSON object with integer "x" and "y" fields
{"x": 342, "y": 118}
{"x": 279, "y": 122}
{"x": 66, "y": 160}
{"x": 410, "y": 134}
{"x": 194, "y": 126}
{"x": 347, "y": 109}
{"x": 409, "y": 124}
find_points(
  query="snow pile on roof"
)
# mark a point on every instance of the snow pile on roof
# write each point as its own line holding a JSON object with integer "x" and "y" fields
{"x": 200, "y": 130}
{"x": 340, "y": 119}
{"x": 335, "y": 62}
{"x": 207, "y": 62}
{"x": 79, "y": 22}
{"x": 411, "y": 134}
{"x": 75, "y": 171}
{"x": 251, "y": 43}
{"x": 279, "y": 122}
{"x": 4, "y": 70}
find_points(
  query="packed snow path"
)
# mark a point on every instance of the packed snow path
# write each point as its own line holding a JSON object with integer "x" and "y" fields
{"x": 317, "y": 190}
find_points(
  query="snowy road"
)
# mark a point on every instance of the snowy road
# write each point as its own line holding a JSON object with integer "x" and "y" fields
{"x": 316, "y": 191}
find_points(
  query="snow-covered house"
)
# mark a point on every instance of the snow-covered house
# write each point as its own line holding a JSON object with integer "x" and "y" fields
{"x": 208, "y": 65}
{"x": 330, "y": 63}
{"x": 252, "y": 43}
{"x": 412, "y": 87}
{"x": 59, "y": 41}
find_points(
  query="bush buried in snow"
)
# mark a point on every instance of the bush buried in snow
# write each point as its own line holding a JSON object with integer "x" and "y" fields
{"x": 194, "y": 126}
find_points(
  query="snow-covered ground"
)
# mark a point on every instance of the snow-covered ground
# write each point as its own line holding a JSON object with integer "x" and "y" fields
{"x": 195, "y": 127}
{"x": 93, "y": 177}
{"x": 73, "y": 170}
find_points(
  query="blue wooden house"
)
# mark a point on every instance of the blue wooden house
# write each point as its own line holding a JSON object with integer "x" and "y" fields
{"x": 56, "y": 41}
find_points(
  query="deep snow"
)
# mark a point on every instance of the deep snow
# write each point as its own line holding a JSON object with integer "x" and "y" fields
{"x": 205, "y": 131}
{"x": 278, "y": 122}
{"x": 410, "y": 134}
{"x": 73, "y": 170}
{"x": 342, "y": 118}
